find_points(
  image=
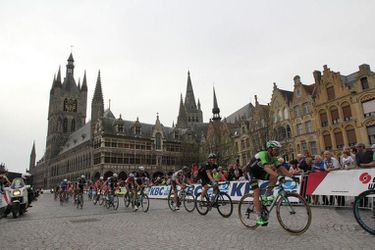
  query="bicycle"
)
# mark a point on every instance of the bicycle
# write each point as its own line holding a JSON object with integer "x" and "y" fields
{"x": 141, "y": 201}
{"x": 219, "y": 200}
{"x": 184, "y": 196}
{"x": 79, "y": 200}
{"x": 97, "y": 197}
{"x": 294, "y": 204}
{"x": 364, "y": 210}
{"x": 128, "y": 198}
{"x": 112, "y": 200}
{"x": 63, "y": 197}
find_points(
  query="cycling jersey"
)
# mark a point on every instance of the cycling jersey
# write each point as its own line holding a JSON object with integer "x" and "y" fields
{"x": 203, "y": 174}
{"x": 64, "y": 186}
{"x": 178, "y": 175}
{"x": 139, "y": 177}
{"x": 255, "y": 168}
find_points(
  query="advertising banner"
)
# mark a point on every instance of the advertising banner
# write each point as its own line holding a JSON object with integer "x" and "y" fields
{"x": 341, "y": 182}
{"x": 235, "y": 189}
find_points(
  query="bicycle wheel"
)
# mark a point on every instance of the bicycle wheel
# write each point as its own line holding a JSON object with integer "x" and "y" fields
{"x": 224, "y": 204}
{"x": 293, "y": 213}
{"x": 115, "y": 202}
{"x": 127, "y": 200}
{"x": 201, "y": 204}
{"x": 364, "y": 210}
{"x": 81, "y": 200}
{"x": 247, "y": 212}
{"x": 189, "y": 202}
{"x": 145, "y": 202}
{"x": 102, "y": 200}
{"x": 171, "y": 203}
{"x": 96, "y": 199}
{"x": 61, "y": 199}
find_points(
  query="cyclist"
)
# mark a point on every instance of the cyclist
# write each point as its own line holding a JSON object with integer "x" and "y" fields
{"x": 205, "y": 174}
{"x": 81, "y": 184}
{"x": 264, "y": 166}
{"x": 113, "y": 183}
{"x": 99, "y": 185}
{"x": 64, "y": 188}
{"x": 139, "y": 183}
{"x": 180, "y": 177}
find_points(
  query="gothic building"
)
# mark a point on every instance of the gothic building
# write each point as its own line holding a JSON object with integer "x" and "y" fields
{"x": 107, "y": 144}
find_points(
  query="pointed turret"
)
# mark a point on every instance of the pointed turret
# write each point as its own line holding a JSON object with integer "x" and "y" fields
{"x": 58, "y": 79}
{"x": 69, "y": 83}
{"x": 199, "y": 105}
{"x": 70, "y": 59}
{"x": 97, "y": 104}
{"x": 190, "y": 104}
{"x": 182, "y": 116}
{"x": 84, "y": 82}
{"x": 32, "y": 157}
{"x": 79, "y": 83}
{"x": 216, "y": 110}
{"x": 256, "y": 100}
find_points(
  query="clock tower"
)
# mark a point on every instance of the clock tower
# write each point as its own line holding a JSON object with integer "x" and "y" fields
{"x": 67, "y": 109}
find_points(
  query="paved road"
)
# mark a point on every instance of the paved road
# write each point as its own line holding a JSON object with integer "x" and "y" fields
{"x": 47, "y": 225}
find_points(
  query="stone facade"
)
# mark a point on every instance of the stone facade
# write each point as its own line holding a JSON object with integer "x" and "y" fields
{"x": 345, "y": 107}
{"x": 303, "y": 119}
{"x": 107, "y": 144}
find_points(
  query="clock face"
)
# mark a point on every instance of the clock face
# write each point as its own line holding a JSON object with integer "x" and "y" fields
{"x": 70, "y": 105}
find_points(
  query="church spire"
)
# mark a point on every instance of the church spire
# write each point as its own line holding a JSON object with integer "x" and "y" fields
{"x": 58, "y": 79}
{"x": 32, "y": 157}
{"x": 215, "y": 110}
{"x": 97, "y": 104}
{"x": 189, "y": 97}
{"x": 84, "y": 82}
{"x": 182, "y": 118}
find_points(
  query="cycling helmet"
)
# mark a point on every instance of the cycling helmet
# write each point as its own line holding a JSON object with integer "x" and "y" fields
{"x": 212, "y": 156}
{"x": 131, "y": 175}
{"x": 185, "y": 169}
{"x": 101, "y": 178}
{"x": 65, "y": 180}
{"x": 83, "y": 176}
{"x": 141, "y": 168}
{"x": 273, "y": 144}
{"x": 115, "y": 175}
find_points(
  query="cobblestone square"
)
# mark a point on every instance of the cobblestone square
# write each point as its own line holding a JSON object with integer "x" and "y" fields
{"x": 47, "y": 225}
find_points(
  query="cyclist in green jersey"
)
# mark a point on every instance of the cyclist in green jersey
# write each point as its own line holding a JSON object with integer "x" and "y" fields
{"x": 265, "y": 166}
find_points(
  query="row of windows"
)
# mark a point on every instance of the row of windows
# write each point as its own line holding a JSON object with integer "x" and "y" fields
{"x": 305, "y": 147}
{"x": 118, "y": 158}
{"x": 331, "y": 90}
{"x": 335, "y": 115}
{"x": 338, "y": 137}
{"x": 71, "y": 165}
{"x": 300, "y": 128}
{"x": 140, "y": 145}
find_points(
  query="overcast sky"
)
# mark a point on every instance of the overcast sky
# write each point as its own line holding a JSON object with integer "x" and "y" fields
{"x": 145, "y": 48}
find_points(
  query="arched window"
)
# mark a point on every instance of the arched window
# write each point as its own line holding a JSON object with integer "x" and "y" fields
{"x": 288, "y": 131}
{"x": 323, "y": 119}
{"x": 65, "y": 125}
{"x": 327, "y": 140}
{"x": 346, "y": 110}
{"x": 73, "y": 125}
{"x": 338, "y": 138}
{"x": 335, "y": 115}
{"x": 158, "y": 141}
{"x": 350, "y": 133}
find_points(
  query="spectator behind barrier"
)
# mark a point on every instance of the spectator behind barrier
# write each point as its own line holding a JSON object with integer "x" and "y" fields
{"x": 330, "y": 163}
{"x": 294, "y": 169}
{"x": 317, "y": 164}
{"x": 346, "y": 160}
{"x": 302, "y": 163}
{"x": 364, "y": 158}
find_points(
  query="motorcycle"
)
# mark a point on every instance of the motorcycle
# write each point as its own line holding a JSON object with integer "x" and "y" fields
{"x": 18, "y": 197}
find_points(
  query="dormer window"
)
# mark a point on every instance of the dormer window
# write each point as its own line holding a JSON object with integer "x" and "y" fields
{"x": 158, "y": 141}
{"x": 137, "y": 130}
{"x": 364, "y": 83}
{"x": 120, "y": 128}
